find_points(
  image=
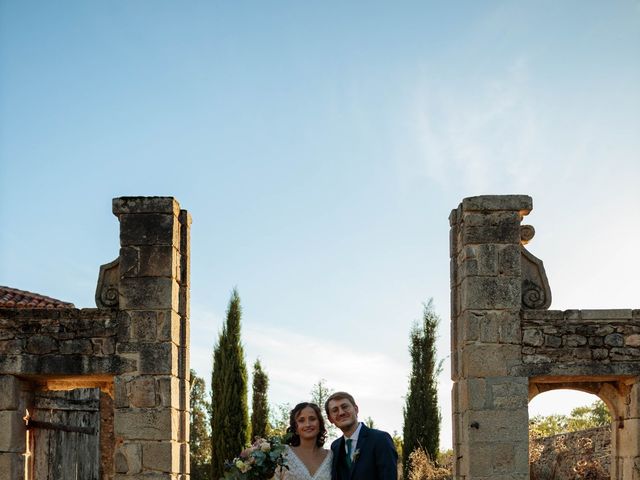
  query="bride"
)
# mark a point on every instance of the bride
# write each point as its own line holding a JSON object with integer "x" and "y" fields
{"x": 306, "y": 458}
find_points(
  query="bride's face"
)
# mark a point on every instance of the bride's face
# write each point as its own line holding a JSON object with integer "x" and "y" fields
{"x": 307, "y": 423}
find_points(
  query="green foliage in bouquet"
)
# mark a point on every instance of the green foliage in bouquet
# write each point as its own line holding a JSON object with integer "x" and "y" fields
{"x": 257, "y": 462}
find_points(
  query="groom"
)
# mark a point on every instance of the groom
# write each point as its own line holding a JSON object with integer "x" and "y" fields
{"x": 362, "y": 453}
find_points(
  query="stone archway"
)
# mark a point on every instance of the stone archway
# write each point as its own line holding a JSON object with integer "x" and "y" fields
{"x": 507, "y": 347}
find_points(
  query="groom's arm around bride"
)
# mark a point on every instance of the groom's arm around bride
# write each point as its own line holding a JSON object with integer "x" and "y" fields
{"x": 361, "y": 453}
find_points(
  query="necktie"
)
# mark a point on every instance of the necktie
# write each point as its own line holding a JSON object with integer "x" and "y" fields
{"x": 349, "y": 452}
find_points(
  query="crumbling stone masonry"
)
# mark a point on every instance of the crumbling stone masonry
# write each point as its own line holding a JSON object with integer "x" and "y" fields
{"x": 133, "y": 347}
{"x": 507, "y": 347}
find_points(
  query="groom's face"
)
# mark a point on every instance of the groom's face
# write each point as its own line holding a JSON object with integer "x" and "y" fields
{"x": 343, "y": 414}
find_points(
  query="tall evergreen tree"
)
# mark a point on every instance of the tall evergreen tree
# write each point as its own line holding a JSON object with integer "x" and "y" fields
{"x": 229, "y": 415}
{"x": 200, "y": 432}
{"x": 421, "y": 412}
{"x": 259, "y": 405}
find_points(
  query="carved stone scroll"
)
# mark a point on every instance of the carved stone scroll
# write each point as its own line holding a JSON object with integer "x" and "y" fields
{"x": 536, "y": 293}
{"x": 107, "y": 295}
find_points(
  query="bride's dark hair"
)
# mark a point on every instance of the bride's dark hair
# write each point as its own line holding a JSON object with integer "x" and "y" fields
{"x": 294, "y": 438}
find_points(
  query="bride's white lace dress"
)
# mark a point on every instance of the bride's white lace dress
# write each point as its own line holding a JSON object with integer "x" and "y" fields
{"x": 297, "y": 470}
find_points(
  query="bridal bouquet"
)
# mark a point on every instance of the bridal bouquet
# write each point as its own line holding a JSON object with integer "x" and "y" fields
{"x": 257, "y": 462}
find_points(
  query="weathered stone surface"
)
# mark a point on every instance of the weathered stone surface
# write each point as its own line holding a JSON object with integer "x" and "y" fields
{"x": 489, "y": 360}
{"x": 41, "y": 344}
{"x": 159, "y": 358}
{"x": 533, "y": 338}
{"x": 149, "y": 261}
{"x": 81, "y": 345}
{"x": 11, "y": 465}
{"x": 162, "y": 456}
{"x": 12, "y": 431}
{"x": 128, "y": 458}
{"x": 144, "y": 326}
{"x": 149, "y": 229}
{"x": 518, "y": 203}
{"x": 496, "y": 425}
{"x": 148, "y": 293}
{"x": 168, "y": 205}
{"x": 9, "y": 392}
{"x": 490, "y": 293}
{"x": 147, "y": 424}
{"x": 505, "y": 228}
{"x": 142, "y": 392}
{"x": 614, "y": 340}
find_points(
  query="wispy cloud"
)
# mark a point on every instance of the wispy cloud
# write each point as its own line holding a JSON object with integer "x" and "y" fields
{"x": 295, "y": 361}
{"x": 475, "y": 138}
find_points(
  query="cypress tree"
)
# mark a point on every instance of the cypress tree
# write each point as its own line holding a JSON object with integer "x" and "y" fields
{"x": 421, "y": 412}
{"x": 229, "y": 416}
{"x": 259, "y": 405}
{"x": 200, "y": 435}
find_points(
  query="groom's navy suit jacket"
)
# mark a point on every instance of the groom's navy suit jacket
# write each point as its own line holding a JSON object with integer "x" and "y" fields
{"x": 375, "y": 457}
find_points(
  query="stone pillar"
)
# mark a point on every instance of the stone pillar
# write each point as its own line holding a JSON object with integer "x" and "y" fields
{"x": 12, "y": 429}
{"x": 151, "y": 404}
{"x": 490, "y": 406}
{"x": 625, "y": 437}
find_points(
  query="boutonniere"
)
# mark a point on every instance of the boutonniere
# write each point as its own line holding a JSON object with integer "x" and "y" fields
{"x": 356, "y": 454}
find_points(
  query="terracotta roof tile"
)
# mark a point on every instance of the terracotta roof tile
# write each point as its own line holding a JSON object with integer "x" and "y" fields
{"x": 14, "y": 298}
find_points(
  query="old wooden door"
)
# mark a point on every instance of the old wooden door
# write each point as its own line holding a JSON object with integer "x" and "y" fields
{"x": 65, "y": 430}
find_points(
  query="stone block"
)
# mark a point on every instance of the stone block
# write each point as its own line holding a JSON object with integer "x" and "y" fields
{"x": 574, "y": 340}
{"x": 149, "y": 261}
{"x": 509, "y": 260}
{"x": 491, "y": 293}
{"x": 162, "y": 456}
{"x": 169, "y": 390}
{"x": 498, "y": 458}
{"x": 497, "y": 228}
{"x": 532, "y": 337}
{"x": 12, "y": 347}
{"x": 142, "y": 392}
{"x": 41, "y": 344}
{"x": 614, "y": 340}
{"x": 552, "y": 341}
{"x": 9, "y": 392}
{"x": 144, "y": 326}
{"x": 613, "y": 314}
{"x": 148, "y": 293}
{"x": 473, "y": 394}
{"x": 159, "y": 358}
{"x": 600, "y": 353}
{"x": 509, "y": 393}
{"x": 80, "y": 345}
{"x": 122, "y": 205}
{"x": 149, "y": 229}
{"x": 147, "y": 424}
{"x": 103, "y": 346}
{"x": 12, "y": 431}
{"x": 489, "y": 360}
{"x": 497, "y": 425}
{"x": 169, "y": 326}
{"x": 11, "y": 466}
{"x": 128, "y": 458}
{"x": 632, "y": 340}
{"x": 518, "y": 203}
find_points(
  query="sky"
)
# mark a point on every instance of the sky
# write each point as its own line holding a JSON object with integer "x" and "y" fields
{"x": 319, "y": 147}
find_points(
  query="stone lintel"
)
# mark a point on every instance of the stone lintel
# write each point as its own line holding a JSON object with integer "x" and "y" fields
{"x": 519, "y": 203}
{"x": 122, "y": 205}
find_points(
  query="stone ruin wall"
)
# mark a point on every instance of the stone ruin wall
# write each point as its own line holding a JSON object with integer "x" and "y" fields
{"x": 134, "y": 347}
{"x": 506, "y": 347}
{"x": 581, "y": 337}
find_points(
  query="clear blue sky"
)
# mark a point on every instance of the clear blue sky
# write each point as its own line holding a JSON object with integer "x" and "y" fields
{"x": 319, "y": 147}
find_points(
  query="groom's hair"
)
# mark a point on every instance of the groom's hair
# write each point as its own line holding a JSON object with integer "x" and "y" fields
{"x": 338, "y": 396}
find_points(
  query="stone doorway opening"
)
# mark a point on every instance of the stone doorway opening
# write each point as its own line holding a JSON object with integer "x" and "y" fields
{"x": 569, "y": 435}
